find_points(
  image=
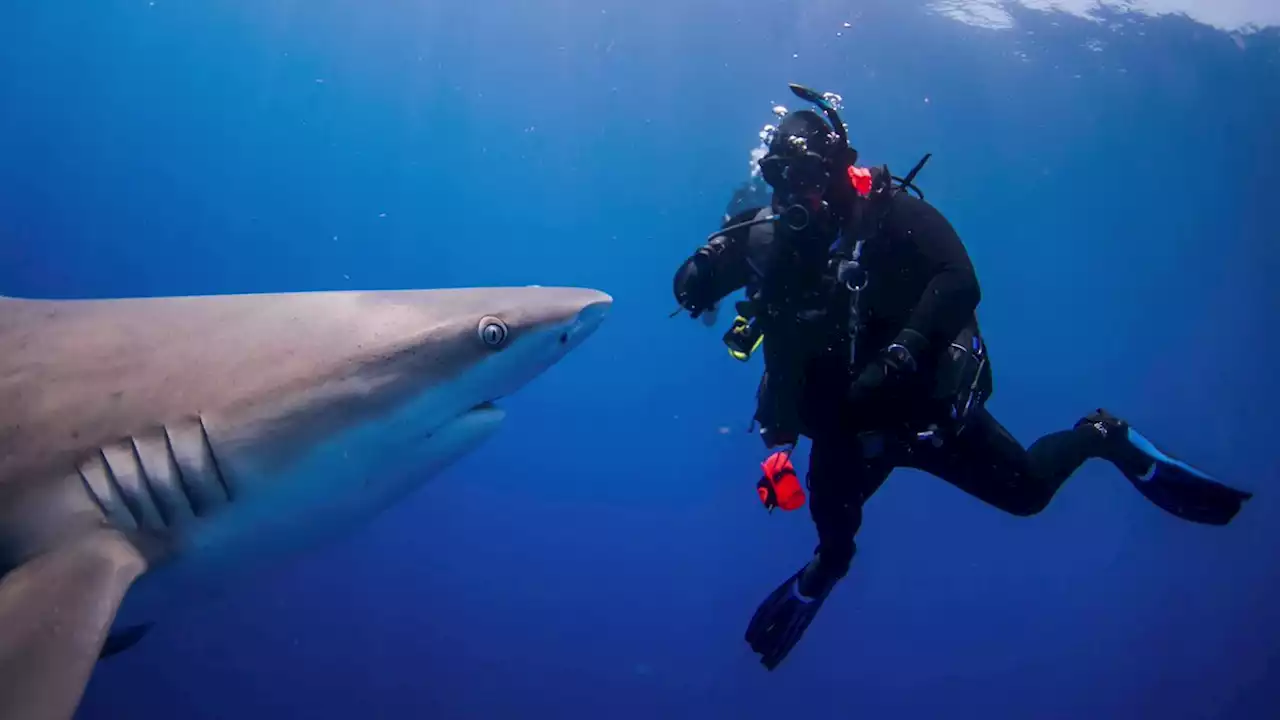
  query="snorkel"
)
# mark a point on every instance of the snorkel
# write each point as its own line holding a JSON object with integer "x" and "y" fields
{"x": 826, "y": 103}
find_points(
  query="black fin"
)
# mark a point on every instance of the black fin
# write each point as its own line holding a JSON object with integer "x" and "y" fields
{"x": 1174, "y": 486}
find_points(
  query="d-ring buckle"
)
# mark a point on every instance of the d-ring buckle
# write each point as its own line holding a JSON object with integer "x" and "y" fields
{"x": 796, "y": 217}
{"x": 847, "y": 272}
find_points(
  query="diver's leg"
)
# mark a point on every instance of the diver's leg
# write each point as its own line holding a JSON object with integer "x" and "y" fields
{"x": 840, "y": 480}
{"x": 987, "y": 462}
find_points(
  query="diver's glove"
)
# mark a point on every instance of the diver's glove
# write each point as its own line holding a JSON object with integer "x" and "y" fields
{"x": 693, "y": 279}
{"x": 685, "y": 284}
{"x": 894, "y": 363}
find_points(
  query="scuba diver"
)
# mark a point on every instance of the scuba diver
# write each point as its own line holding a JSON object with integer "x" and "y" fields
{"x": 864, "y": 299}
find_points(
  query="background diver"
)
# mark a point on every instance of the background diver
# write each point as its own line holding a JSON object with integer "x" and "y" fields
{"x": 866, "y": 300}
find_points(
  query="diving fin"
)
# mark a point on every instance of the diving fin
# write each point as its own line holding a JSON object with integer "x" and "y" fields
{"x": 1182, "y": 490}
{"x": 780, "y": 621}
{"x": 1171, "y": 484}
{"x": 55, "y": 614}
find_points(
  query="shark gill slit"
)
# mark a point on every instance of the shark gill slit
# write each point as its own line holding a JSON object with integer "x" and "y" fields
{"x": 162, "y": 509}
{"x": 193, "y": 454}
{"x": 131, "y": 502}
{"x": 193, "y": 500}
{"x": 213, "y": 457}
{"x": 98, "y": 482}
{"x": 88, "y": 487}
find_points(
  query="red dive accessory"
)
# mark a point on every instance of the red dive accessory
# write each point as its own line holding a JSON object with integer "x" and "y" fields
{"x": 780, "y": 487}
{"x": 860, "y": 179}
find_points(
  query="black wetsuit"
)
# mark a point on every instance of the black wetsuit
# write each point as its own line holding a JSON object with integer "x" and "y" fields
{"x": 921, "y": 279}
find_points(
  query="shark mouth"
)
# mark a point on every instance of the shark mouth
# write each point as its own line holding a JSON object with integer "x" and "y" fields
{"x": 480, "y": 409}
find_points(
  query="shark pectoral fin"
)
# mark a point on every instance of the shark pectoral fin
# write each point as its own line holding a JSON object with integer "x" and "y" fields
{"x": 55, "y": 614}
{"x": 118, "y": 642}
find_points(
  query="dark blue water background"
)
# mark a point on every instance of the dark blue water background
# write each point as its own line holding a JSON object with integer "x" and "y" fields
{"x": 1115, "y": 182}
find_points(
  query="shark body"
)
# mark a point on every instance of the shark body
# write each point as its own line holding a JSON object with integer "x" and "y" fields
{"x": 153, "y": 447}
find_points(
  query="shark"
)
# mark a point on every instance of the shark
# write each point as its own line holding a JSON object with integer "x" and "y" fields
{"x": 156, "y": 449}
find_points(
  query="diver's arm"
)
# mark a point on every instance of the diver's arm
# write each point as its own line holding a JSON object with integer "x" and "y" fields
{"x": 713, "y": 272}
{"x": 952, "y": 295}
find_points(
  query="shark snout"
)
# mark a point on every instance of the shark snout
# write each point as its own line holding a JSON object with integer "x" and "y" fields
{"x": 588, "y": 319}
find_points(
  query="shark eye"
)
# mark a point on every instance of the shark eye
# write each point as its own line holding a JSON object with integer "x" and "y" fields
{"x": 493, "y": 332}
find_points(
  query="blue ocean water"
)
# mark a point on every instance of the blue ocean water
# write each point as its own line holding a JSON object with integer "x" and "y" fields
{"x": 1113, "y": 176}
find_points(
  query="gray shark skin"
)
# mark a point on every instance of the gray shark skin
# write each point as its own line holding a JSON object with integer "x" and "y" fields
{"x": 153, "y": 449}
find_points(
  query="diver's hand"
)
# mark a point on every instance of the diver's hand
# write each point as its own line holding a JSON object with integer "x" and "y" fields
{"x": 692, "y": 281}
{"x": 894, "y": 363}
{"x": 880, "y": 373}
{"x": 685, "y": 284}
